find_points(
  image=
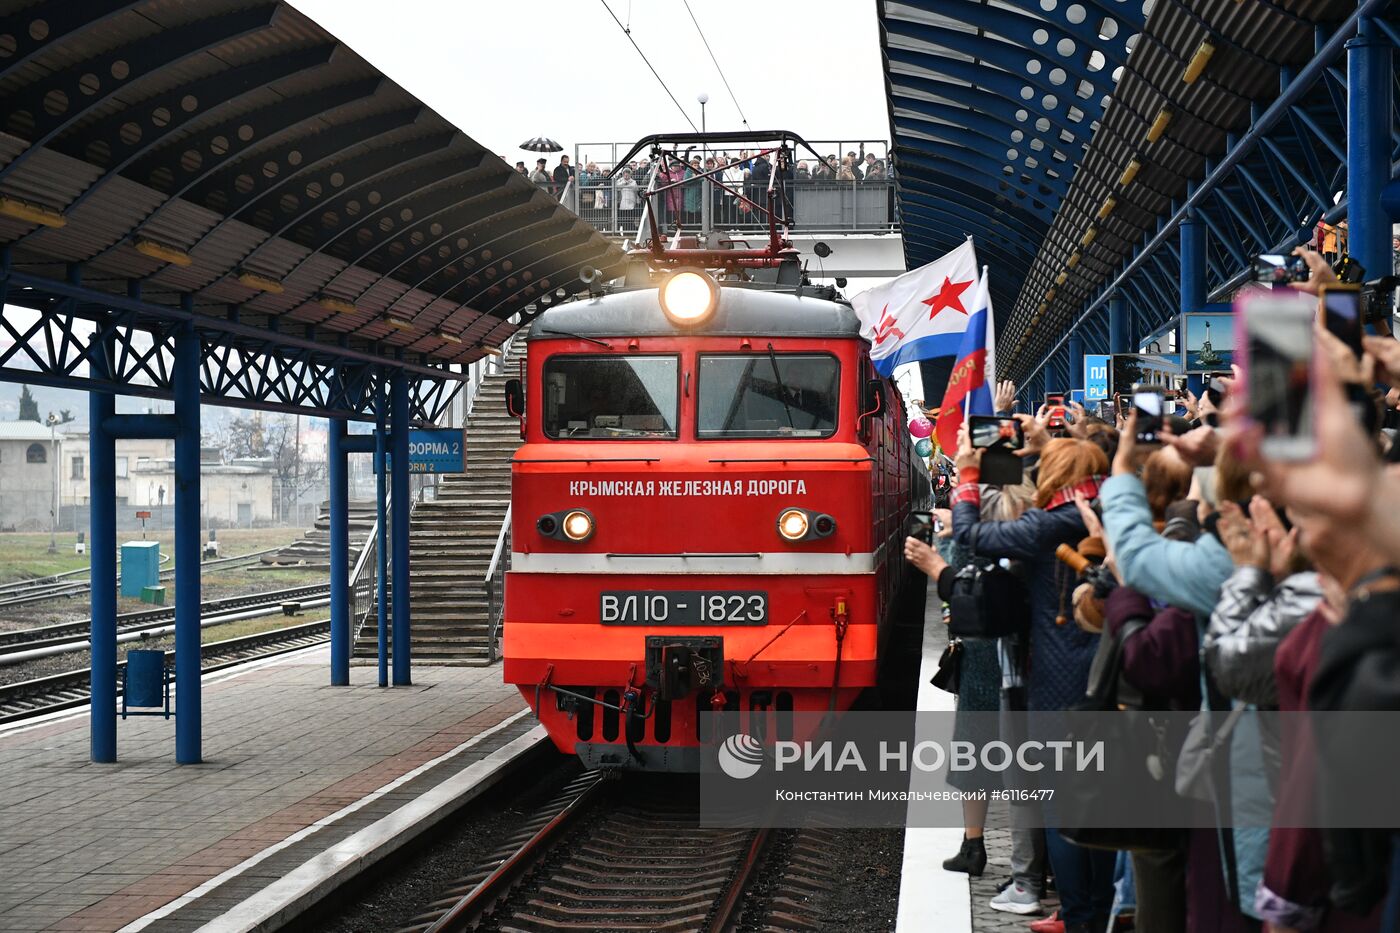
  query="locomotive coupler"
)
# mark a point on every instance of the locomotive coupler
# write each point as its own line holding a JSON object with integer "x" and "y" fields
{"x": 679, "y": 666}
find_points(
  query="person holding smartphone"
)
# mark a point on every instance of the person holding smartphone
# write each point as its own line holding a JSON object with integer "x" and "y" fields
{"x": 1060, "y": 652}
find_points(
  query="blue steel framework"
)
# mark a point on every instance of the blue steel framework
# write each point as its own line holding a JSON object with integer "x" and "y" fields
{"x": 990, "y": 107}
{"x": 1318, "y": 140}
{"x": 1328, "y": 130}
{"x": 218, "y": 202}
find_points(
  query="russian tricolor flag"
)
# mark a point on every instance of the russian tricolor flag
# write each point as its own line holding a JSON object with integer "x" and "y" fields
{"x": 970, "y": 385}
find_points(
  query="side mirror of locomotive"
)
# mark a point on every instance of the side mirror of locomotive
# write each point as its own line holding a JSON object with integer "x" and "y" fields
{"x": 515, "y": 398}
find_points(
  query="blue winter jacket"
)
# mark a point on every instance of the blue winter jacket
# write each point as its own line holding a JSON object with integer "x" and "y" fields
{"x": 1188, "y": 575}
{"x": 1059, "y": 654}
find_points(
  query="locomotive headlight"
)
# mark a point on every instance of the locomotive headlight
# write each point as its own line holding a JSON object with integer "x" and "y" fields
{"x": 689, "y": 297}
{"x": 578, "y": 525}
{"x": 793, "y": 524}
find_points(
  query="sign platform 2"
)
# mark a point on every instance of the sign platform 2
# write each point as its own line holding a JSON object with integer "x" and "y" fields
{"x": 435, "y": 450}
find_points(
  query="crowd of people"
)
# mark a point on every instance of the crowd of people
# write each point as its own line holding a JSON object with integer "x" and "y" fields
{"x": 739, "y": 193}
{"x": 1231, "y": 582}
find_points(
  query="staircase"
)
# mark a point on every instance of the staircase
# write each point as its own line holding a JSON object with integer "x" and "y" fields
{"x": 312, "y": 550}
{"x": 452, "y": 537}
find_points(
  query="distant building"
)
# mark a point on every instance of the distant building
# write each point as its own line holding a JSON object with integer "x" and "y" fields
{"x": 239, "y": 494}
{"x": 27, "y": 453}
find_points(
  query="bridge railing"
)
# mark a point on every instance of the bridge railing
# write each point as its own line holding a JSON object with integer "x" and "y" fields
{"x": 821, "y": 198}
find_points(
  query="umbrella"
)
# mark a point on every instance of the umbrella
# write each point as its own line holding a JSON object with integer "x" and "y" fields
{"x": 541, "y": 144}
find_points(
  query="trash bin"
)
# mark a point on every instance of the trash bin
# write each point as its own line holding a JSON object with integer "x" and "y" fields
{"x": 146, "y": 685}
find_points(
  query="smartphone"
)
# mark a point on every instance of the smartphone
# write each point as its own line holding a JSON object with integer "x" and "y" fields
{"x": 1275, "y": 329}
{"x": 1340, "y": 306}
{"x": 988, "y": 431}
{"x": 1057, "y": 410}
{"x": 923, "y": 525}
{"x": 1106, "y": 410}
{"x": 1279, "y": 269}
{"x": 1148, "y": 403}
{"x": 1212, "y": 390}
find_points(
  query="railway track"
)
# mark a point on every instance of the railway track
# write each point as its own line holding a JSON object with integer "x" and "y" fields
{"x": 627, "y": 853}
{"x": 62, "y": 691}
{"x": 22, "y": 592}
{"x": 73, "y": 636}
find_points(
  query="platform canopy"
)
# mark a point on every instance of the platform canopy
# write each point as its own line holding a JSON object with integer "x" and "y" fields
{"x": 233, "y": 159}
{"x": 991, "y": 108}
{"x": 1072, "y": 138}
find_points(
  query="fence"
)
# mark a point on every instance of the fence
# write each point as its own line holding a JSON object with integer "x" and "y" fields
{"x": 818, "y": 200}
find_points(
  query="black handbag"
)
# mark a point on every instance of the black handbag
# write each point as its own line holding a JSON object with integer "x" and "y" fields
{"x": 988, "y": 601}
{"x": 1142, "y": 745}
{"x": 949, "y": 670}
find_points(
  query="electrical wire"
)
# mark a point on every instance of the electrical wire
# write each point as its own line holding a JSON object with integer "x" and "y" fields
{"x": 716, "y": 61}
{"x": 628, "y": 33}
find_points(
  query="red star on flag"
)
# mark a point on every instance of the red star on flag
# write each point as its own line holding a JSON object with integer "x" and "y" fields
{"x": 949, "y": 296}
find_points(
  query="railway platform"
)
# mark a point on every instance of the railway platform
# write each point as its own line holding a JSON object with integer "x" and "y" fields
{"x": 302, "y": 787}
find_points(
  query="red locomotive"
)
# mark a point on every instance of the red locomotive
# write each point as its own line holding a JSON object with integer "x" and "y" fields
{"x": 708, "y": 510}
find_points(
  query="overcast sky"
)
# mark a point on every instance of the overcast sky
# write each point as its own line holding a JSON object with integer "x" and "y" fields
{"x": 507, "y": 71}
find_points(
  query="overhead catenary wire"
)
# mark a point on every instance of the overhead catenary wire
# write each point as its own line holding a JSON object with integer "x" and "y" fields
{"x": 628, "y": 33}
{"x": 717, "y": 65}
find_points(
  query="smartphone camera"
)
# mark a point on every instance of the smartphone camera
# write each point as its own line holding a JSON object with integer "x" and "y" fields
{"x": 1056, "y": 404}
{"x": 990, "y": 432}
{"x": 1277, "y": 332}
{"x": 1279, "y": 269}
{"x": 923, "y": 525}
{"x": 1212, "y": 387}
{"x": 1342, "y": 315}
{"x": 1149, "y": 404}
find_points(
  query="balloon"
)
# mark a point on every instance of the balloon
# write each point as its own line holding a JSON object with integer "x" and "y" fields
{"x": 923, "y": 447}
{"x": 920, "y": 426}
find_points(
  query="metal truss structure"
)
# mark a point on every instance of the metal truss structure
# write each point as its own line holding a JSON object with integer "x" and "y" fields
{"x": 1211, "y": 134}
{"x": 91, "y": 341}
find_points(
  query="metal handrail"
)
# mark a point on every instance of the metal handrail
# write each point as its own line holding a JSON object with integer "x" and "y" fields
{"x": 367, "y": 558}
{"x": 497, "y": 569}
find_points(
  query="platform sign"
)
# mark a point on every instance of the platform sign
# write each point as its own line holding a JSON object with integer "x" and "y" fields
{"x": 1095, "y": 377}
{"x": 437, "y": 451}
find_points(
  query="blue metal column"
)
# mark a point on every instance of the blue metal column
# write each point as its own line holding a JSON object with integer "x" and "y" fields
{"x": 1193, "y": 264}
{"x": 403, "y": 653}
{"x": 1120, "y": 325}
{"x": 1369, "y": 80}
{"x": 1076, "y": 362}
{"x": 189, "y": 712}
{"x": 339, "y": 553}
{"x": 382, "y": 546}
{"x": 102, "y": 552}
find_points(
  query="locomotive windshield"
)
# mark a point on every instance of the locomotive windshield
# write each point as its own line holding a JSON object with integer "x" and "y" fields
{"x": 743, "y": 396}
{"x": 610, "y": 397}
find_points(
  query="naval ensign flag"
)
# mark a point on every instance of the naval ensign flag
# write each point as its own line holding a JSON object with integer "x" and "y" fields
{"x": 922, "y": 314}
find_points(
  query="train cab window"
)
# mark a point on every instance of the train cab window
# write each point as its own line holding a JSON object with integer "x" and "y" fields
{"x": 743, "y": 396}
{"x": 611, "y": 397}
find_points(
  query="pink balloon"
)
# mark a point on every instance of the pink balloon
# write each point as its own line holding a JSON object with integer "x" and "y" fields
{"x": 920, "y": 426}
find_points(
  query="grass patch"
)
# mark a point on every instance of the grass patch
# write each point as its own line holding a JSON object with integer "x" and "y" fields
{"x": 24, "y": 556}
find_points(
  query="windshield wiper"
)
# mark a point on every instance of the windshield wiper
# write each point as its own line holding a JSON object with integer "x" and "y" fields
{"x": 565, "y": 333}
{"x": 782, "y": 389}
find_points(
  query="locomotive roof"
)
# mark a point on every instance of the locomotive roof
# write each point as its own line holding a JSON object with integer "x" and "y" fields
{"x": 742, "y": 312}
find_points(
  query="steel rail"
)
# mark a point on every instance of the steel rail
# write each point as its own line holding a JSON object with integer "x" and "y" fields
{"x": 20, "y": 592}
{"x": 62, "y": 633}
{"x": 512, "y": 869}
{"x": 725, "y": 917}
{"x": 56, "y": 692}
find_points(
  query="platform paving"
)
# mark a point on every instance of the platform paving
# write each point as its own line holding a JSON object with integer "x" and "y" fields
{"x": 931, "y": 898}
{"x": 294, "y": 769}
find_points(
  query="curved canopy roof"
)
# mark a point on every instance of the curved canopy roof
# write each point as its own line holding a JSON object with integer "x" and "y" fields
{"x": 1062, "y": 134}
{"x": 234, "y": 153}
{"x": 991, "y": 108}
